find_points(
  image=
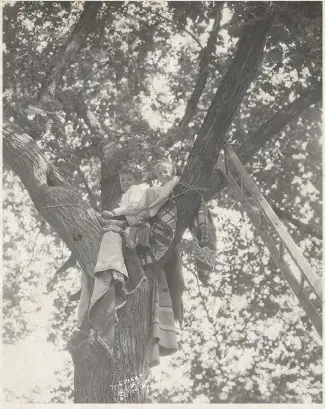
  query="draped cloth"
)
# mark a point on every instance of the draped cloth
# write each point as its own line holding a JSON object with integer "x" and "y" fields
{"x": 119, "y": 272}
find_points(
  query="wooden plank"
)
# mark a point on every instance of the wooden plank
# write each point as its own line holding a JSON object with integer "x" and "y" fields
{"x": 294, "y": 251}
{"x": 295, "y": 285}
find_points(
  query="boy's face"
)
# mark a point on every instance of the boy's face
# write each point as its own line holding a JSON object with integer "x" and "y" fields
{"x": 127, "y": 180}
{"x": 165, "y": 173}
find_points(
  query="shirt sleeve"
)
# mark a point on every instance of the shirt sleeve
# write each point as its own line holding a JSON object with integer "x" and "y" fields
{"x": 166, "y": 189}
{"x": 134, "y": 201}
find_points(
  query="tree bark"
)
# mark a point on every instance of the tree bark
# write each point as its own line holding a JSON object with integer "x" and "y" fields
{"x": 94, "y": 371}
{"x": 257, "y": 139}
{"x": 110, "y": 182}
{"x": 96, "y": 374}
{"x": 69, "y": 50}
{"x": 53, "y": 197}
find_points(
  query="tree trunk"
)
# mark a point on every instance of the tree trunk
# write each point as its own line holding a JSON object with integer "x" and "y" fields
{"x": 257, "y": 139}
{"x": 110, "y": 182}
{"x": 97, "y": 376}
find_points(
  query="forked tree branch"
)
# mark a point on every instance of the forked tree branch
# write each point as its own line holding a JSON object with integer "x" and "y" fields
{"x": 68, "y": 52}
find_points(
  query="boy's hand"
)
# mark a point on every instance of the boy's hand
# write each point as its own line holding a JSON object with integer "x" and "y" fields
{"x": 107, "y": 215}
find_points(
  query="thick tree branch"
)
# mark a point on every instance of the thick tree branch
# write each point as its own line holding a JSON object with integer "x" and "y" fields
{"x": 264, "y": 133}
{"x": 110, "y": 152}
{"x": 53, "y": 197}
{"x": 68, "y": 52}
{"x": 204, "y": 155}
{"x": 31, "y": 127}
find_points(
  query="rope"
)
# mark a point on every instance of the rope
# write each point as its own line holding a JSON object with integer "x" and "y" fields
{"x": 63, "y": 205}
{"x": 193, "y": 189}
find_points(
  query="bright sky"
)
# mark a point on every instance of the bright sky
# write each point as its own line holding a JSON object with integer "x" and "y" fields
{"x": 30, "y": 364}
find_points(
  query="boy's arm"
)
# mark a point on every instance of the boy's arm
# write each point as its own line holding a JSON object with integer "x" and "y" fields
{"x": 135, "y": 202}
{"x": 119, "y": 211}
{"x": 156, "y": 192}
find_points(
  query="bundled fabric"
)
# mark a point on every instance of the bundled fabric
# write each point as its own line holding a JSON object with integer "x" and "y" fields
{"x": 118, "y": 273}
{"x": 173, "y": 270}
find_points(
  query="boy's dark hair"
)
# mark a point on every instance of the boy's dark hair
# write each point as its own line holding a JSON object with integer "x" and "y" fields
{"x": 131, "y": 170}
{"x": 168, "y": 163}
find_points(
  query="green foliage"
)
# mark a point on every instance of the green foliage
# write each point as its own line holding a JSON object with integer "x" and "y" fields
{"x": 245, "y": 339}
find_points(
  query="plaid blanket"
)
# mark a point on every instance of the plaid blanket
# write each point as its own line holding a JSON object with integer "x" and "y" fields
{"x": 163, "y": 227}
{"x": 162, "y": 231}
